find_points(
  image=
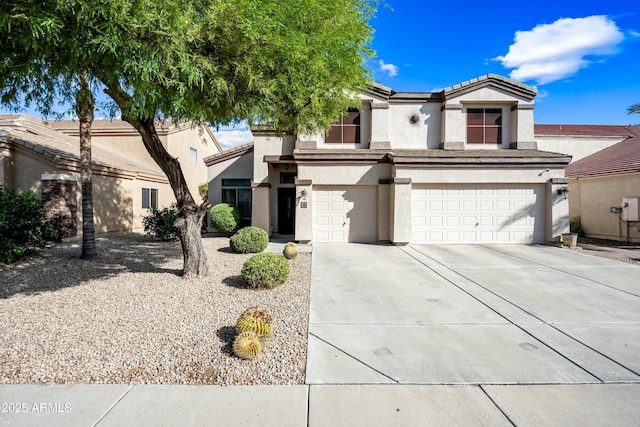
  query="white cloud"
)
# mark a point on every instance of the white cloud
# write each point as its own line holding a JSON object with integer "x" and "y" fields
{"x": 551, "y": 52}
{"x": 390, "y": 69}
{"x": 230, "y": 137}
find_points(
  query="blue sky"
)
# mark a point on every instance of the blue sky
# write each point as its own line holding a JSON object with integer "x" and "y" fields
{"x": 582, "y": 56}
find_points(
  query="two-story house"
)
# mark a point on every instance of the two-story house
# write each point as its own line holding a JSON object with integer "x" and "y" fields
{"x": 456, "y": 166}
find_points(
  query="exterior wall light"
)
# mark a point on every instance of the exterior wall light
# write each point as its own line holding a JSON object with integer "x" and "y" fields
{"x": 563, "y": 191}
{"x": 303, "y": 194}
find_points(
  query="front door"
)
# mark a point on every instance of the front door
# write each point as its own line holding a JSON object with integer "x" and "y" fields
{"x": 286, "y": 210}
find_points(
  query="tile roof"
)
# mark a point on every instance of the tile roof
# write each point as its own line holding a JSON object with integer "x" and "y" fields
{"x": 64, "y": 150}
{"x": 231, "y": 153}
{"x": 621, "y": 158}
{"x": 582, "y": 130}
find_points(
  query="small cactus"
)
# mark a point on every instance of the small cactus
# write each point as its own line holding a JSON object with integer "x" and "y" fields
{"x": 290, "y": 251}
{"x": 257, "y": 320}
{"x": 246, "y": 345}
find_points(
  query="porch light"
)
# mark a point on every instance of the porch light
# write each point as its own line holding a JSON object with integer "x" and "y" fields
{"x": 303, "y": 194}
{"x": 563, "y": 191}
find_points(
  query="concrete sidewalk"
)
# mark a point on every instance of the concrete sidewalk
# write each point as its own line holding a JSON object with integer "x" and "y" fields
{"x": 437, "y": 335}
{"x": 321, "y": 405}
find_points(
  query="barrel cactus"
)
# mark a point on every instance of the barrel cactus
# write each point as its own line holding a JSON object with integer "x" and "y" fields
{"x": 290, "y": 251}
{"x": 247, "y": 345}
{"x": 257, "y": 320}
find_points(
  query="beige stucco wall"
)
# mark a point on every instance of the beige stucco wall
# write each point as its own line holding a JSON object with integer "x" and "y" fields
{"x": 117, "y": 201}
{"x": 576, "y": 146}
{"x": 423, "y": 134}
{"x": 596, "y": 196}
{"x": 238, "y": 168}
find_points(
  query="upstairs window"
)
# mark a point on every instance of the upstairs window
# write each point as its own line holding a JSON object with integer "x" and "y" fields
{"x": 193, "y": 156}
{"x": 346, "y": 130}
{"x": 484, "y": 126}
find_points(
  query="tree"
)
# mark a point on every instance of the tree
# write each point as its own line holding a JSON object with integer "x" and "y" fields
{"x": 39, "y": 64}
{"x": 294, "y": 66}
{"x": 634, "y": 109}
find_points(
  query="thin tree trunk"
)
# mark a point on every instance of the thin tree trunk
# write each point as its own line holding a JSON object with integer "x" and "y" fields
{"x": 85, "y": 111}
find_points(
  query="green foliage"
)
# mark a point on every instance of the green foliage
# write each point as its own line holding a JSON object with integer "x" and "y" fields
{"x": 160, "y": 223}
{"x": 575, "y": 226}
{"x": 225, "y": 217}
{"x": 246, "y": 345}
{"x": 265, "y": 270}
{"x": 203, "y": 191}
{"x": 21, "y": 218}
{"x": 633, "y": 109}
{"x": 290, "y": 251}
{"x": 55, "y": 228}
{"x": 257, "y": 320}
{"x": 249, "y": 240}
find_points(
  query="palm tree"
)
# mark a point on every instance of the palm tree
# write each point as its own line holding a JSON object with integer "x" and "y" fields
{"x": 635, "y": 108}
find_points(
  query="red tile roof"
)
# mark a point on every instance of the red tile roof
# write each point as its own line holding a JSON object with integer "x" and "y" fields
{"x": 583, "y": 130}
{"x": 621, "y": 158}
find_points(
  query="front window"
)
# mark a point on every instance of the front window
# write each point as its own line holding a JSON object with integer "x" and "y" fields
{"x": 346, "y": 130}
{"x": 149, "y": 198}
{"x": 193, "y": 156}
{"x": 238, "y": 192}
{"x": 484, "y": 126}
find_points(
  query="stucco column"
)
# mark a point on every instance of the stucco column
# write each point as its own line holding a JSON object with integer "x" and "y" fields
{"x": 453, "y": 127}
{"x": 6, "y": 175}
{"x": 557, "y": 215}
{"x": 521, "y": 133}
{"x": 304, "y": 211}
{"x": 380, "y": 126}
{"x": 260, "y": 210}
{"x": 401, "y": 211}
{"x": 384, "y": 207}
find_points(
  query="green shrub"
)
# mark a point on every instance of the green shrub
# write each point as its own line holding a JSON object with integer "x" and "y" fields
{"x": 225, "y": 217}
{"x": 203, "y": 191}
{"x": 160, "y": 223}
{"x": 249, "y": 240}
{"x": 266, "y": 270}
{"x": 575, "y": 226}
{"x": 55, "y": 228}
{"x": 21, "y": 219}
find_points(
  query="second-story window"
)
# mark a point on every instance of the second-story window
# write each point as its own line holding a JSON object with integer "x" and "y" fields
{"x": 346, "y": 130}
{"x": 484, "y": 126}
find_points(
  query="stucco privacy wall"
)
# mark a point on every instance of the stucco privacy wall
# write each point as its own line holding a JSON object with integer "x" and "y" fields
{"x": 577, "y": 146}
{"x": 595, "y": 198}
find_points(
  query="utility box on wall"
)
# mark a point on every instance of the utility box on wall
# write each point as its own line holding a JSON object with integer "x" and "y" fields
{"x": 630, "y": 209}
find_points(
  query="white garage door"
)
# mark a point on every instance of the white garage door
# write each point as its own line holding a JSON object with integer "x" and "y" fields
{"x": 345, "y": 214}
{"x": 474, "y": 213}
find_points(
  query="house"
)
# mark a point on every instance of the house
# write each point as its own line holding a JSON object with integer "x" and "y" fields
{"x": 126, "y": 181}
{"x": 456, "y": 166}
{"x": 579, "y": 140}
{"x": 605, "y": 189}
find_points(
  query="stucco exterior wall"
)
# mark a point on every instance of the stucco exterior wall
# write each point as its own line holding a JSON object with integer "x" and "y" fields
{"x": 238, "y": 168}
{"x": 597, "y": 196}
{"x": 423, "y": 134}
{"x": 576, "y": 146}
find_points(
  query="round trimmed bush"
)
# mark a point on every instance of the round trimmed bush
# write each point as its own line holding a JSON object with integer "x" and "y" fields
{"x": 290, "y": 251}
{"x": 249, "y": 240}
{"x": 225, "y": 217}
{"x": 266, "y": 270}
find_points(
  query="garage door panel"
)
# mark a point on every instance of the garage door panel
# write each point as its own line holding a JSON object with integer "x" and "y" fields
{"x": 478, "y": 213}
{"x": 351, "y": 213}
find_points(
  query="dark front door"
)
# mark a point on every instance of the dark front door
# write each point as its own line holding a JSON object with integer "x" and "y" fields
{"x": 286, "y": 210}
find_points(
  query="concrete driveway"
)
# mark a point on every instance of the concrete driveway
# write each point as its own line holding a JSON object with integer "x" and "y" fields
{"x": 471, "y": 315}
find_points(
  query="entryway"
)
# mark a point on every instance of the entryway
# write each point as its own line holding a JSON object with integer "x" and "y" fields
{"x": 286, "y": 210}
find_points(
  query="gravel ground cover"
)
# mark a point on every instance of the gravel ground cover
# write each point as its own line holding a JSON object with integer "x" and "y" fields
{"x": 619, "y": 251}
{"x": 128, "y": 317}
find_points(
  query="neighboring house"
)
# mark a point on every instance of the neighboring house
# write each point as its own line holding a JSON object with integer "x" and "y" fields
{"x": 605, "y": 189}
{"x": 126, "y": 183}
{"x": 456, "y": 166}
{"x": 579, "y": 140}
